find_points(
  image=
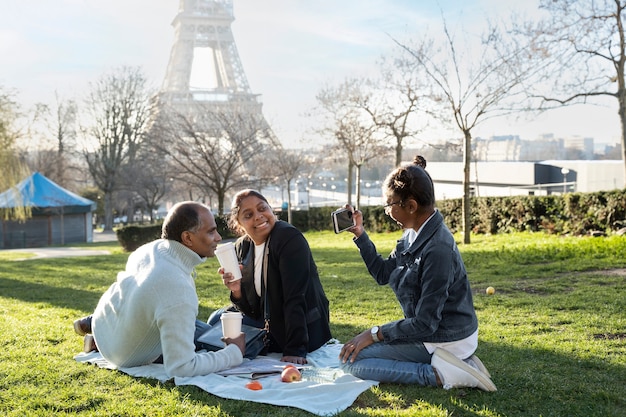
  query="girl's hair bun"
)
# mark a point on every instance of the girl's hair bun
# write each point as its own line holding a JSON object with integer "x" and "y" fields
{"x": 420, "y": 160}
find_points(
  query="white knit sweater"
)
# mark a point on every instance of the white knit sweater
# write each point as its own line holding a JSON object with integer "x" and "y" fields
{"x": 151, "y": 310}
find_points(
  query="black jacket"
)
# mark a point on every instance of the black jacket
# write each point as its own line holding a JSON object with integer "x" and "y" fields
{"x": 298, "y": 307}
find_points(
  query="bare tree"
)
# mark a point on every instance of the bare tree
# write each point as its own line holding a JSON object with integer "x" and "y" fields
{"x": 361, "y": 145}
{"x": 118, "y": 109}
{"x": 214, "y": 147}
{"x": 351, "y": 126}
{"x": 584, "y": 43}
{"x": 65, "y": 133}
{"x": 148, "y": 179}
{"x": 471, "y": 88}
{"x": 287, "y": 163}
{"x": 13, "y": 167}
{"x": 393, "y": 102}
{"x": 57, "y": 140}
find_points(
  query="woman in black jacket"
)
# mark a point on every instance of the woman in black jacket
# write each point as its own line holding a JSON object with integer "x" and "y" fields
{"x": 280, "y": 282}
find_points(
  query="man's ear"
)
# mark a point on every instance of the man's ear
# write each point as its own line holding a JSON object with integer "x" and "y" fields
{"x": 186, "y": 239}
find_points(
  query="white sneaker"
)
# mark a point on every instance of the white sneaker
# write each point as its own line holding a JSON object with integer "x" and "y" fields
{"x": 477, "y": 364}
{"x": 454, "y": 373}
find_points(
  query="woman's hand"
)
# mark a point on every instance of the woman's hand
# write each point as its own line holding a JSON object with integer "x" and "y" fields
{"x": 351, "y": 349}
{"x": 294, "y": 359}
{"x": 234, "y": 285}
{"x": 357, "y": 215}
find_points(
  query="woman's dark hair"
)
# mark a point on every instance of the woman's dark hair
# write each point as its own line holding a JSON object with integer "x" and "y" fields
{"x": 420, "y": 160}
{"x": 233, "y": 222}
{"x": 412, "y": 181}
{"x": 184, "y": 216}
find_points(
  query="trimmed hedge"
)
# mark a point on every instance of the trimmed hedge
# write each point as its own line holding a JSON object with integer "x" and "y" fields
{"x": 133, "y": 236}
{"x": 572, "y": 213}
{"x": 318, "y": 218}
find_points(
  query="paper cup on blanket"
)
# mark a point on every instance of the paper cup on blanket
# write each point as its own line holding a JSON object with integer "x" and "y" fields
{"x": 231, "y": 324}
{"x": 228, "y": 259}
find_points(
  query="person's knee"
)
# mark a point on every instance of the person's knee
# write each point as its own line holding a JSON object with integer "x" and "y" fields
{"x": 348, "y": 366}
{"x": 214, "y": 318}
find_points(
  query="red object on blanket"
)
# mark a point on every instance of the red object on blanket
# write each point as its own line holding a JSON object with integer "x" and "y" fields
{"x": 290, "y": 374}
{"x": 254, "y": 385}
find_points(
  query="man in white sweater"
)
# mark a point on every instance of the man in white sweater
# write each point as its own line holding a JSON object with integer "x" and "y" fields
{"x": 150, "y": 311}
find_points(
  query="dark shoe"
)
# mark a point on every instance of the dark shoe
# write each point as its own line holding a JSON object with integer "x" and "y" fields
{"x": 89, "y": 344}
{"x": 83, "y": 326}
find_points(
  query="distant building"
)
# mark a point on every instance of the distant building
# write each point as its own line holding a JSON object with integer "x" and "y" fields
{"x": 487, "y": 179}
{"x": 591, "y": 176}
{"x": 583, "y": 145}
{"x": 498, "y": 148}
{"x": 526, "y": 178}
{"x": 546, "y": 147}
{"x": 513, "y": 148}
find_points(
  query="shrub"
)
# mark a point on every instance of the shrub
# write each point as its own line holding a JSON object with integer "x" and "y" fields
{"x": 131, "y": 237}
{"x": 571, "y": 213}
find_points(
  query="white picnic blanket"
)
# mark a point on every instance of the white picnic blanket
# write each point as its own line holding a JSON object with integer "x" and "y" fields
{"x": 325, "y": 390}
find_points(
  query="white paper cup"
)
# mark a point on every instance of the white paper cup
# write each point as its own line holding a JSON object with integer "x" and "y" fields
{"x": 231, "y": 324}
{"x": 228, "y": 259}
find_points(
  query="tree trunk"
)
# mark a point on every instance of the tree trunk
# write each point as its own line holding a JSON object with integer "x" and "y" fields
{"x": 358, "y": 186}
{"x": 467, "y": 160}
{"x": 621, "y": 98}
{"x": 220, "y": 202}
{"x": 108, "y": 212}
{"x": 349, "y": 184}
{"x": 398, "y": 152}
{"x": 289, "y": 201}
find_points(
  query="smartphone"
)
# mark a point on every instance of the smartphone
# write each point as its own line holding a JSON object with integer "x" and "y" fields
{"x": 342, "y": 220}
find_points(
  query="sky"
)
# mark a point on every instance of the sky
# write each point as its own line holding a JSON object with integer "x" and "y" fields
{"x": 289, "y": 49}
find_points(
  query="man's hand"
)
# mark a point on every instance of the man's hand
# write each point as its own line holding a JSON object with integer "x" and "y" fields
{"x": 240, "y": 341}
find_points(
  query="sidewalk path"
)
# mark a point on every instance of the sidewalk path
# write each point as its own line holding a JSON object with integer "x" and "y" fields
{"x": 63, "y": 252}
{"x": 57, "y": 252}
{"x": 104, "y": 237}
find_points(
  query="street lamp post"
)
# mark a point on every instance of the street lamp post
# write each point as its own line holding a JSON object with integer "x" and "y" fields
{"x": 308, "y": 198}
{"x": 564, "y": 171}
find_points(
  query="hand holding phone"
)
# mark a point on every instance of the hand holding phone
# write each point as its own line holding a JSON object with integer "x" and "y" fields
{"x": 342, "y": 220}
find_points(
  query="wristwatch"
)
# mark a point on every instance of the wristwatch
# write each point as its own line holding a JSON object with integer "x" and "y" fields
{"x": 374, "y": 332}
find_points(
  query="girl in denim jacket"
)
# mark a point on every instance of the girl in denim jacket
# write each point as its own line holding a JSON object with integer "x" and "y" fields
{"x": 434, "y": 343}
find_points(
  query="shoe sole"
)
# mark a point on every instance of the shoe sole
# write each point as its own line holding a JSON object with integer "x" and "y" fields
{"x": 78, "y": 329}
{"x": 481, "y": 367}
{"x": 485, "y": 383}
{"x": 89, "y": 344}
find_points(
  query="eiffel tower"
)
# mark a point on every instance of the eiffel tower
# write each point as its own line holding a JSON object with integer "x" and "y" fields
{"x": 204, "y": 65}
{"x": 206, "y": 119}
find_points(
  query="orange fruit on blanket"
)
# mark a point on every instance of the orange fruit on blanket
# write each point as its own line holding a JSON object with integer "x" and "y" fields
{"x": 254, "y": 385}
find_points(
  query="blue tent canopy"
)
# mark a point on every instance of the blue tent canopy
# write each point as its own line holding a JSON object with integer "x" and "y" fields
{"x": 39, "y": 192}
{"x": 58, "y": 216}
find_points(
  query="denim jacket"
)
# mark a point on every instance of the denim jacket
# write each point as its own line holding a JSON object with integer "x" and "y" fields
{"x": 430, "y": 282}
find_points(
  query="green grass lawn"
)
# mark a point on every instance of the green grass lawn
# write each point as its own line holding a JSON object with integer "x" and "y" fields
{"x": 553, "y": 336}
